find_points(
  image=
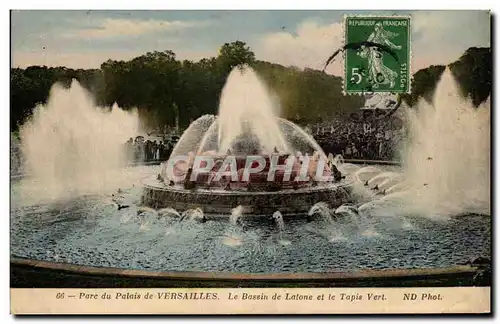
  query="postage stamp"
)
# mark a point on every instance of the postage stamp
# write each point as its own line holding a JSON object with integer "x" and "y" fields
{"x": 377, "y": 54}
{"x": 224, "y": 162}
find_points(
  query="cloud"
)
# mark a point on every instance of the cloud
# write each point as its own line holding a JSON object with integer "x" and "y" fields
{"x": 309, "y": 46}
{"x": 89, "y": 60}
{"x": 110, "y": 28}
{"x": 438, "y": 37}
{"x": 460, "y": 26}
{"x": 441, "y": 37}
{"x": 58, "y": 38}
{"x": 70, "y": 60}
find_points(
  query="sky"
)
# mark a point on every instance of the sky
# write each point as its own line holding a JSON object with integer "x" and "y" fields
{"x": 85, "y": 39}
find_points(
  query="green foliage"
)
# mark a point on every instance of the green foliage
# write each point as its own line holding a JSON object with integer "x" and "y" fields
{"x": 423, "y": 84}
{"x": 472, "y": 72}
{"x": 235, "y": 54}
{"x": 164, "y": 89}
{"x": 307, "y": 96}
{"x": 30, "y": 87}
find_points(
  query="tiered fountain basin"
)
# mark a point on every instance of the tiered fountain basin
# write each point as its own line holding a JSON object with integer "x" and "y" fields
{"x": 415, "y": 226}
{"x": 257, "y": 193}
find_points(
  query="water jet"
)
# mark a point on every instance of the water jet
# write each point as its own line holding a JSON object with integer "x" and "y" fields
{"x": 246, "y": 126}
{"x": 354, "y": 237}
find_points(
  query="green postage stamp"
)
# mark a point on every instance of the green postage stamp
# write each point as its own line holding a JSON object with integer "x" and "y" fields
{"x": 377, "y": 54}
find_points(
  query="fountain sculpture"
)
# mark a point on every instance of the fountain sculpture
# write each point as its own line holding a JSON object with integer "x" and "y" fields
{"x": 77, "y": 220}
{"x": 246, "y": 156}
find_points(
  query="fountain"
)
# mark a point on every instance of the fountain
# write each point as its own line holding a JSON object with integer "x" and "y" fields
{"x": 248, "y": 138}
{"x": 63, "y": 147}
{"x": 448, "y": 164}
{"x": 446, "y": 167}
{"x": 378, "y": 226}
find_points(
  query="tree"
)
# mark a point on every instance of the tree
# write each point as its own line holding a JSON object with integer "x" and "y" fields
{"x": 163, "y": 88}
{"x": 235, "y": 54}
{"x": 473, "y": 72}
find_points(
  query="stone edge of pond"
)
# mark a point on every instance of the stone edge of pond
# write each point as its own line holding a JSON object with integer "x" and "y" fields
{"x": 28, "y": 273}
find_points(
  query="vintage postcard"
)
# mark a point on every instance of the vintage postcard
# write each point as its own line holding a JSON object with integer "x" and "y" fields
{"x": 250, "y": 162}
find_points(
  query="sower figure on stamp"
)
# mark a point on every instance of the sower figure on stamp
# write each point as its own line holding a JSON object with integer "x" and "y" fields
{"x": 378, "y": 73}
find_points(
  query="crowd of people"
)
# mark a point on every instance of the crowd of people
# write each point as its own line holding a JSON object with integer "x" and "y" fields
{"x": 352, "y": 139}
{"x": 141, "y": 150}
{"x": 360, "y": 140}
